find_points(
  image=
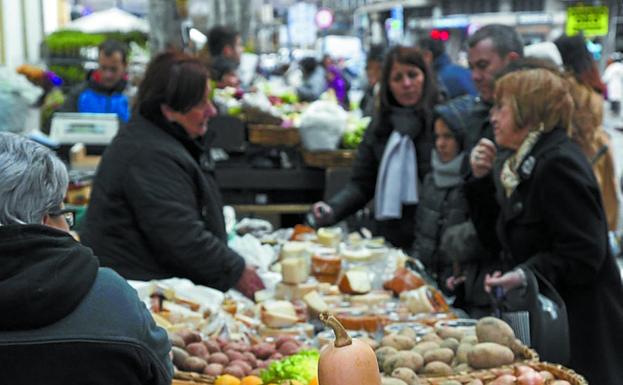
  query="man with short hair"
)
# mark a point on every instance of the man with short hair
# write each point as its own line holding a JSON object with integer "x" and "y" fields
{"x": 226, "y": 42}
{"x": 103, "y": 91}
{"x": 453, "y": 80}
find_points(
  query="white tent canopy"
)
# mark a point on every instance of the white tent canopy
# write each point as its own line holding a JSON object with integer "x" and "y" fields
{"x": 110, "y": 20}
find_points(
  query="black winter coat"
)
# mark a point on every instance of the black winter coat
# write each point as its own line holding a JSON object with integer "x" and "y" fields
{"x": 554, "y": 223}
{"x": 360, "y": 190}
{"x": 156, "y": 210}
{"x": 68, "y": 321}
{"x": 439, "y": 208}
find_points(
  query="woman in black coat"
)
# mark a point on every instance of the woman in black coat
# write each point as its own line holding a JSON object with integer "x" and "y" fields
{"x": 550, "y": 217}
{"x": 156, "y": 210}
{"x": 394, "y": 155}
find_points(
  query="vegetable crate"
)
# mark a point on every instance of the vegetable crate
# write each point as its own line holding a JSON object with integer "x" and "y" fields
{"x": 326, "y": 159}
{"x": 273, "y": 135}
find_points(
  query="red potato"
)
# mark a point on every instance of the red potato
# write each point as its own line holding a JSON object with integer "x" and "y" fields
{"x": 250, "y": 358}
{"x": 505, "y": 379}
{"x": 219, "y": 358}
{"x": 276, "y": 356}
{"x": 213, "y": 370}
{"x": 221, "y": 341}
{"x": 263, "y": 350}
{"x": 530, "y": 378}
{"x": 237, "y": 346}
{"x": 197, "y": 349}
{"x": 288, "y": 348}
{"x": 255, "y": 372}
{"x": 521, "y": 369}
{"x": 235, "y": 371}
{"x": 243, "y": 364}
{"x": 234, "y": 355}
{"x": 189, "y": 336}
{"x": 547, "y": 376}
{"x": 195, "y": 364}
{"x": 283, "y": 339}
{"x": 261, "y": 364}
{"x": 212, "y": 346}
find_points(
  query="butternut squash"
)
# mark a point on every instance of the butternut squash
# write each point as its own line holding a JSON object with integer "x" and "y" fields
{"x": 346, "y": 360}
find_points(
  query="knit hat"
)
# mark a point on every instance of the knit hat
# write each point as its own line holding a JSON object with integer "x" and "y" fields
{"x": 455, "y": 114}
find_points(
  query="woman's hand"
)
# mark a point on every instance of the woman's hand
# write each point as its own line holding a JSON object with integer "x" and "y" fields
{"x": 249, "y": 282}
{"x": 508, "y": 281}
{"x": 323, "y": 214}
{"x": 452, "y": 282}
{"x": 482, "y": 157}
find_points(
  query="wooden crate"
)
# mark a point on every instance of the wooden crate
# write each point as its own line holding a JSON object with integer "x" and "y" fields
{"x": 272, "y": 135}
{"x": 326, "y": 159}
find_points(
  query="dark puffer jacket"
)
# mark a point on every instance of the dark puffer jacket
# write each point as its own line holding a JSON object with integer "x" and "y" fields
{"x": 360, "y": 190}
{"x": 156, "y": 210}
{"x": 68, "y": 321}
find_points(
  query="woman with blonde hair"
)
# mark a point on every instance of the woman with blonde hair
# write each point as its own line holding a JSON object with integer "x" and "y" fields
{"x": 550, "y": 218}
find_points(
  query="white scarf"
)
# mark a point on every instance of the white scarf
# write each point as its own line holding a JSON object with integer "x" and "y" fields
{"x": 397, "y": 180}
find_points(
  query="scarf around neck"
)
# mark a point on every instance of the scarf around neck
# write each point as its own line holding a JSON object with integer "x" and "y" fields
{"x": 447, "y": 174}
{"x": 509, "y": 177}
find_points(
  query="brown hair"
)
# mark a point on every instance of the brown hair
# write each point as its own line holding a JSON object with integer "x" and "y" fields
{"x": 174, "y": 79}
{"x": 587, "y": 116}
{"x": 538, "y": 97}
{"x": 409, "y": 56}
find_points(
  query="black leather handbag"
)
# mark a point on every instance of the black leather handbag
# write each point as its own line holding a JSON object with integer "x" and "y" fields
{"x": 538, "y": 316}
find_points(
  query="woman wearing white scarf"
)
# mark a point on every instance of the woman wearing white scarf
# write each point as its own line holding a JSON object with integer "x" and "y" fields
{"x": 394, "y": 154}
{"x": 550, "y": 217}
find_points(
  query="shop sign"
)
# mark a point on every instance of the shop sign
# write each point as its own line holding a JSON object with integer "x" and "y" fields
{"x": 592, "y": 21}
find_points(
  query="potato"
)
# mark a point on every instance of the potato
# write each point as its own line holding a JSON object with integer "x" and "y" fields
{"x": 243, "y": 364}
{"x": 213, "y": 370}
{"x": 263, "y": 350}
{"x": 547, "y": 376}
{"x": 179, "y": 356}
{"x": 234, "y": 355}
{"x": 383, "y": 353}
{"x": 195, "y": 364}
{"x": 189, "y": 336}
{"x": 489, "y": 355}
{"x": 432, "y": 337}
{"x": 392, "y": 381}
{"x": 442, "y": 354}
{"x": 276, "y": 356}
{"x": 446, "y": 332}
{"x": 397, "y": 341}
{"x": 197, "y": 349}
{"x": 450, "y": 343}
{"x": 530, "y": 378}
{"x": 256, "y": 372}
{"x": 477, "y": 381}
{"x": 409, "y": 332}
{"x": 450, "y": 382}
{"x": 283, "y": 339}
{"x": 212, "y": 346}
{"x": 403, "y": 359}
{"x": 491, "y": 329}
{"x": 250, "y": 359}
{"x": 472, "y": 340}
{"x": 425, "y": 346}
{"x": 407, "y": 375}
{"x": 505, "y": 379}
{"x": 288, "y": 348}
{"x": 559, "y": 382}
{"x": 235, "y": 371}
{"x": 176, "y": 340}
{"x": 461, "y": 353}
{"x": 460, "y": 368}
{"x": 237, "y": 346}
{"x": 437, "y": 368}
{"x": 219, "y": 358}
{"x": 370, "y": 342}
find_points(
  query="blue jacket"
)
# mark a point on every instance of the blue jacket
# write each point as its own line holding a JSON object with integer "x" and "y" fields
{"x": 91, "y": 96}
{"x": 456, "y": 80}
{"x": 69, "y": 321}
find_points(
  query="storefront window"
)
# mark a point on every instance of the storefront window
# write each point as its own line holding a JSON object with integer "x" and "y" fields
{"x": 528, "y": 5}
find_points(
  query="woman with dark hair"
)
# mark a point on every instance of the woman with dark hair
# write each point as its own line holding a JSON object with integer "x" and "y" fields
{"x": 394, "y": 154}
{"x": 156, "y": 211}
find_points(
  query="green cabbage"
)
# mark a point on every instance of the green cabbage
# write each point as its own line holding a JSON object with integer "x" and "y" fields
{"x": 302, "y": 366}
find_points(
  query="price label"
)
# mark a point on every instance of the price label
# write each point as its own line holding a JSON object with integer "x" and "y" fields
{"x": 592, "y": 21}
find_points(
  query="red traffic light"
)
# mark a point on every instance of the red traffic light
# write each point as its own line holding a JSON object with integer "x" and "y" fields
{"x": 437, "y": 34}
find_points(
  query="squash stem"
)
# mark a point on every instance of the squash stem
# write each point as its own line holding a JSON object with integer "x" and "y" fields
{"x": 341, "y": 336}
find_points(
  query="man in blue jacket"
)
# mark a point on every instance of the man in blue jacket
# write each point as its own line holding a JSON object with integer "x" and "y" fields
{"x": 102, "y": 92}
{"x": 453, "y": 79}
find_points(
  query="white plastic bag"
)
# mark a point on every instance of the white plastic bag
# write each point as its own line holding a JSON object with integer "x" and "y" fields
{"x": 322, "y": 125}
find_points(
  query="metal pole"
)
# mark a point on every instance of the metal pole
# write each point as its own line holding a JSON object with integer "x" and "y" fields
{"x": 609, "y": 41}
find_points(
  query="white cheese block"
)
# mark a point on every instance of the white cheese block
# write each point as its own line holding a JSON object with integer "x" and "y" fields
{"x": 315, "y": 302}
{"x": 294, "y": 270}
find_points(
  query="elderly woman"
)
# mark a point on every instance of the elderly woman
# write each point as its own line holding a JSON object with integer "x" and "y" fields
{"x": 65, "y": 318}
{"x": 394, "y": 155}
{"x": 550, "y": 217}
{"x": 156, "y": 210}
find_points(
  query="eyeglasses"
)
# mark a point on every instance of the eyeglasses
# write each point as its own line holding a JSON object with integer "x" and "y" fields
{"x": 68, "y": 214}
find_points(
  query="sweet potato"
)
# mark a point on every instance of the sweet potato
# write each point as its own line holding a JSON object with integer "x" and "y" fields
{"x": 234, "y": 355}
{"x": 234, "y": 370}
{"x": 288, "y": 348}
{"x": 407, "y": 375}
{"x": 219, "y": 358}
{"x": 437, "y": 368}
{"x": 243, "y": 364}
{"x": 212, "y": 346}
{"x": 189, "y": 336}
{"x": 283, "y": 339}
{"x": 263, "y": 350}
{"x": 197, "y": 349}
{"x": 250, "y": 358}
{"x": 397, "y": 341}
{"x": 489, "y": 355}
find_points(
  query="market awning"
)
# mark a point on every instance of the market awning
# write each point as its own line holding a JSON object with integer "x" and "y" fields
{"x": 110, "y": 20}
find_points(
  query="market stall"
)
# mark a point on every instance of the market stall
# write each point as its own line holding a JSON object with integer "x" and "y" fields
{"x": 336, "y": 300}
